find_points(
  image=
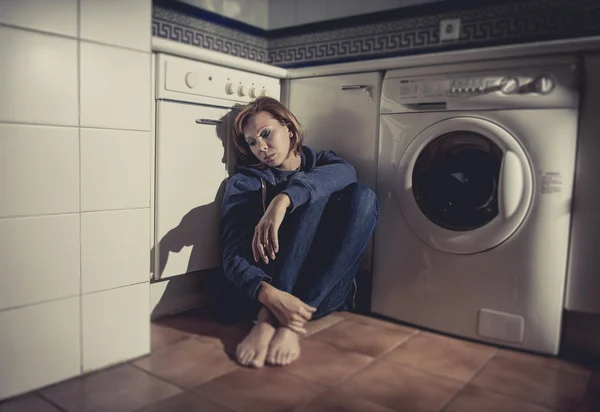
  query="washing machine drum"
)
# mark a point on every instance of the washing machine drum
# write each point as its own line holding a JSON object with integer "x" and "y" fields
{"x": 465, "y": 185}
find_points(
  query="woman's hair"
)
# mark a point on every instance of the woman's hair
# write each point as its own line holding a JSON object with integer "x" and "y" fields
{"x": 280, "y": 113}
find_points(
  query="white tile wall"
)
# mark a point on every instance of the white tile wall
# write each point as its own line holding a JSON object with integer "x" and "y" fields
{"x": 116, "y": 325}
{"x": 115, "y": 169}
{"x": 117, "y": 22}
{"x": 39, "y": 259}
{"x": 39, "y": 345}
{"x": 39, "y": 170}
{"x": 287, "y": 13}
{"x": 115, "y": 87}
{"x": 114, "y": 249}
{"x": 253, "y": 12}
{"x": 40, "y": 83}
{"x": 54, "y": 16}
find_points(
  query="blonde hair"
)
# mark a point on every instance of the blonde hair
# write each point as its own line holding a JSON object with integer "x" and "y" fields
{"x": 280, "y": 113}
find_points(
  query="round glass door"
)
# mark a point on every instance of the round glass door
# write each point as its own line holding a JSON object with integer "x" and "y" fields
{"x": 465, "y": 185}
{"x": 455, "y": 180}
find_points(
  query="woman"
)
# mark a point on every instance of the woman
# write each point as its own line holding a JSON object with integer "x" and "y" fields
{"x": 294, "y": 226}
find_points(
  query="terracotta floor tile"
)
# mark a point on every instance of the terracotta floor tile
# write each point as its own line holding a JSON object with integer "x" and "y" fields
{"x": 318, "y": 325}
{"x": 27, "y": 403}
{"x": 186, "y": 402}
{"x": 338, "y": 401}
{"x": 591, "y": 400}
{"x": 193, "y": 322}
{"x": 379, "y": 322}
{"x": 472, "y": 399}
{"x": 325, "y": 363}
{"x": 162, "y": 335}
{"x": 119, "y": 389}
{"x": 441, "y": 355}
{"x": 362, "y": 337}
{"x": 533, "y": 382}
{"x": 400, "y": 387}
{"x": 188, "y": 363}
{"x": 227, "y": 337}
{"x": 544, "y": 361}
{"x": 262, "y": 390}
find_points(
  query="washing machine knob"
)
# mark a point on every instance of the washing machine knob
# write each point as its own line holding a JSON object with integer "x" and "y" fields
{"x": 263, "y": 92}
{"x": 543, "y": 84}
{"x": 241, "y": 90}
{"x": 252, "y": 93}
{"x": 509, "y": 85}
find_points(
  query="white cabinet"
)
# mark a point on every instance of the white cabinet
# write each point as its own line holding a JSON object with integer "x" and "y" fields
{"x": 38, "y": 78}
{"x": 190, "y": 173}
{"x": 116, "y": 325}
{"x": 53, "y": 16}
{"x": 114, "y": 249}
{"x": 115, "y": 88}
{"x": 39, "y": 170}
{"x": 39, "y": 259}
{"x": 115, "y": 169}
{"x": 345, "y": 119}
{"x": 39, "y": 345}
{"x": 116, "y": 22}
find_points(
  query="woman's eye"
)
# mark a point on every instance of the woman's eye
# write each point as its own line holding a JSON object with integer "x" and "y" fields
{"x": 252, "y": 143}
{"x": 265, "y": 134}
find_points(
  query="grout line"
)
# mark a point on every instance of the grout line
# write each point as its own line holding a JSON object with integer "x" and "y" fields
{"x": 469, "y": 381}
{"x": 38, "y": 216}
{"x": 43, "y": 302}
{"x": 50, "y": 401}
{"x": 81, "y": 325}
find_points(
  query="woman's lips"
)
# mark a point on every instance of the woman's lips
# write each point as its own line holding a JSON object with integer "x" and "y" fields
{"x": 269, "y": 158}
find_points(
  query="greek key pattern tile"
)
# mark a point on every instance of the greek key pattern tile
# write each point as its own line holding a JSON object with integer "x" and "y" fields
{"x": 524, "y": 21}
{"x": 185, "y": 29}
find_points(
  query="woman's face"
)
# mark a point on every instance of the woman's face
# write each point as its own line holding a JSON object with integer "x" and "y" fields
{"x": 268, "y": 139}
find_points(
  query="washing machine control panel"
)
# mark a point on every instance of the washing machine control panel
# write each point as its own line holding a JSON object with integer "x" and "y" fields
{"x": 508, "y": 88}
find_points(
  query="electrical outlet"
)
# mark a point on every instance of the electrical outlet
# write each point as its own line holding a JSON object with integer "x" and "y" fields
{"x": 449, "y": 29}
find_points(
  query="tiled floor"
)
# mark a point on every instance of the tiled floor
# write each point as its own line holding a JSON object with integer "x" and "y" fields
{"x": 348, "y": 363}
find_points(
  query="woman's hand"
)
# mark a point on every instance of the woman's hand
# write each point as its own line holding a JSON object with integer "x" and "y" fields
{"x": 290, "y": 311}
{"x": 265, "y": 243}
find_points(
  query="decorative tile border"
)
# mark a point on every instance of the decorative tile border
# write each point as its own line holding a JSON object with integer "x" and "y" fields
{"x": 174, "y": 25}
{"x": 383, "y": 34}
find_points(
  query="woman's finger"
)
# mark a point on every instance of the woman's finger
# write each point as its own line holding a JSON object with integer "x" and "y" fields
{"x": 275, "y": 238}
{"x": 260, "y": 244}
{"x": 270, "y": 247}
{"x": 305, "y": 314}
{"x": 255, "y": 246}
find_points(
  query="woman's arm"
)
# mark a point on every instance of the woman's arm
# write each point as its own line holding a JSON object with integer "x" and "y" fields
{"x": 330, "y": 174}
{"x": 237, "y": 231}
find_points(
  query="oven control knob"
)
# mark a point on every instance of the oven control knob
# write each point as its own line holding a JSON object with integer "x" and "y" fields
{"x": 252, "y": 93}
{"x": 241, "y": 90}
{"x": 509, "y": 85}
{"x": 229, "y": 88}
{"x": 191, "y": 80}
{"x": 263, "y": 92}
{"x": 543, "y": 84}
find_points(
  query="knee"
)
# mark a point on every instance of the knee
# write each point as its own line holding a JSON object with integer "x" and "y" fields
{"x": 363, "y": 198}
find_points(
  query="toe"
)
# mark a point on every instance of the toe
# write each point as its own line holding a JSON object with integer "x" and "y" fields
{"x": 281, "y": 357}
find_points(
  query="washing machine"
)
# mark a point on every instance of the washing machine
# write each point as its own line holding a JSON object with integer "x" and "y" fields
{"x": 475, "y": 176}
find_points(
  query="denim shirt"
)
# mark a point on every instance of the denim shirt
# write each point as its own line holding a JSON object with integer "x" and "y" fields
{"x": 320, "y": 175}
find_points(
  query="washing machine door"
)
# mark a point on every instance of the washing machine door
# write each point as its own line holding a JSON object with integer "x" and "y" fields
{"x": 465, "y": 185}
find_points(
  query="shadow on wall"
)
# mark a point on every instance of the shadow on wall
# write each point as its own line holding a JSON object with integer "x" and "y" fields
{"x": 193, "y": 227}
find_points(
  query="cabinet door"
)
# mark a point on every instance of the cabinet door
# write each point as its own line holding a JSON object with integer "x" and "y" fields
{"x": 190, "y": 177}
{"x": 341, "y": 113}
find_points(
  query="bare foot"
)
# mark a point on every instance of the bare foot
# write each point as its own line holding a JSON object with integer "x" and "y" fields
{"x": 252, "y": 351}
{"x": 284, "y": 347}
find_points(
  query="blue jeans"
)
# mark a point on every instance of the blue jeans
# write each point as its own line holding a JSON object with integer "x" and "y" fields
{"x": 321, "y": 245}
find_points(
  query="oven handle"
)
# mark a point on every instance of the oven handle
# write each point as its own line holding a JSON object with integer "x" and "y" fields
{"x": 209, "y": 122}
